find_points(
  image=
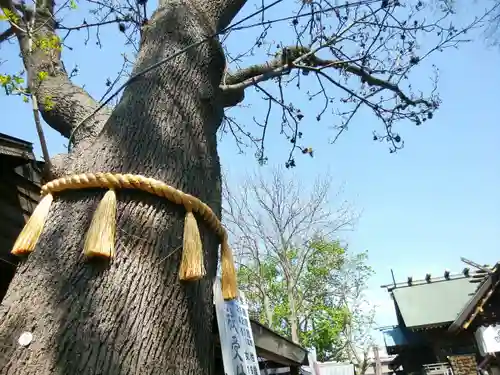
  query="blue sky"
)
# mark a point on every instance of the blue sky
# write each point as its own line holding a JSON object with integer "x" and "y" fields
{"x": 422, "y": 208}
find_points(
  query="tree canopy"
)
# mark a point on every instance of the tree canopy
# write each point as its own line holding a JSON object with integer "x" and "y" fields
{"x": 299, "y": 280}
{"x": 341, "y": 58}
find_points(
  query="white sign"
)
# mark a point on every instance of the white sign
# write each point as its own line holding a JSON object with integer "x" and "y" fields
{"x": 313, "y": 362}
{"x": 235, "y": 333}
{"x": 488, "y": 339}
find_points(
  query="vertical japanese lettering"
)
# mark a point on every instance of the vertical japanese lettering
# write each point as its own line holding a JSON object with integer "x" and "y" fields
{"x": 240, "y": 370}
{"x": 236, "y": 348}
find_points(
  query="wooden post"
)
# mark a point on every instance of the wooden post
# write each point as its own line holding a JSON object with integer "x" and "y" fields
{"x": 378, "y": 366}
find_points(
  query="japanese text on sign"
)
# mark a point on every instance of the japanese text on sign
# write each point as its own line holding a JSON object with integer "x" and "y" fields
{"x": 237, "y": 345}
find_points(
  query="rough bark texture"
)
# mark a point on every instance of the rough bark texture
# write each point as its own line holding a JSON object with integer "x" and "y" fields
{"x": 268, "y": 311}
{"x": 131, "y": 316}
{"x": 294, "y": 327}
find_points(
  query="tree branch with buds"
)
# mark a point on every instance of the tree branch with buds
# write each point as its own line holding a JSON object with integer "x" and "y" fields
{"x": 305, "y": 59}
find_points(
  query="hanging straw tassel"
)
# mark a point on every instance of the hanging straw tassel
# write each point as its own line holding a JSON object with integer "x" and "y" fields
{"x": 100, "y": 239}
{"x": 28, "y": 238}
{"x": 192, "y": 267}
{"x": 229, "y": 282}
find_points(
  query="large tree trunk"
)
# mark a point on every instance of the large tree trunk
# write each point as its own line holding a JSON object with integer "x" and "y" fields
{"x": 132, "y": 316}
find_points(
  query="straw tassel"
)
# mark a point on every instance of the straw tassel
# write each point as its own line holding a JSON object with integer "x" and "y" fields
{"x": 229, "y": 282}
{"x": 192, "y": 267}
{"x": 31, "y": 232}
{"x": 100, "y": 239}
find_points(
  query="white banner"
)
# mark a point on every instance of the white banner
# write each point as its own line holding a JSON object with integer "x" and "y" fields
{"x": 235, "y": 333}
{"x": 313, "y": 363}
{"x": 488, "y": 339}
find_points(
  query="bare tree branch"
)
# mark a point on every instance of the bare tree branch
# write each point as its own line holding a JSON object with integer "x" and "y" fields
{"x": 305, "y": 59}
{"x": 62, "y": 104}
{"x": 224, "y": 11}
{"x": 7, "y": 34}
{"x": 360, "y": 55}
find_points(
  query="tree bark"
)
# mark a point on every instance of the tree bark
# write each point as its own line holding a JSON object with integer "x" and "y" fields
{"x": 268, "y": 311}
{"x": 293, "y": 315}
{"x": 131, "y": 316}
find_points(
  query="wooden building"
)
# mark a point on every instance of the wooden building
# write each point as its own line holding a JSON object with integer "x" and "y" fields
{"x": 20, "y": 176}
{"x": 274, "y": 351}
{"x": 424, "y": 310}
{"x": 481, "y": 316}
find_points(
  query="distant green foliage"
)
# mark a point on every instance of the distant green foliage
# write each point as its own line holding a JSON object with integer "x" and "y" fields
{"x": 326, "y": 317}
{"x": 324, "y": 284}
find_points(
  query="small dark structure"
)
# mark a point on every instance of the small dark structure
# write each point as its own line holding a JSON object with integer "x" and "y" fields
{"x": 20, "y": 179}
{"x": 274, "y": 351}
{"x": 483, "y": 310}
{"x": 425, "y": 309}
{"x": 484, "y": 306}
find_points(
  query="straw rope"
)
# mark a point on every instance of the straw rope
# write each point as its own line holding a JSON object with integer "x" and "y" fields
{"x": 100, "y": 238}
{"x": 131, "y": 181}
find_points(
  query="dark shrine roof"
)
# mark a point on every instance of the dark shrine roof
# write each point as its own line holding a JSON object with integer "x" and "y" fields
{"x": 433, "y": 303}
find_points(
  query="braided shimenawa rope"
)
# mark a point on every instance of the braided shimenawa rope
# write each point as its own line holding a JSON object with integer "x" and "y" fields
{"x": 132, "y": 181}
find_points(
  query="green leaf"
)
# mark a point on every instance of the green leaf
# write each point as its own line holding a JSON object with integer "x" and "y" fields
{"x": 327, "y": 269}
{"x": 72, "y": 4}
{"x": 48, "y": 103}
{"x": 42, "y": 75}
{"x": 5, "y": 80}
{"x": 9, "y": 16}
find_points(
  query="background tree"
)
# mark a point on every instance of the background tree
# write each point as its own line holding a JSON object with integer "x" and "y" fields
{"x": 300, "y": 281}
{"x": 135, "y": 315}
{"x": 491, "y": 26}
